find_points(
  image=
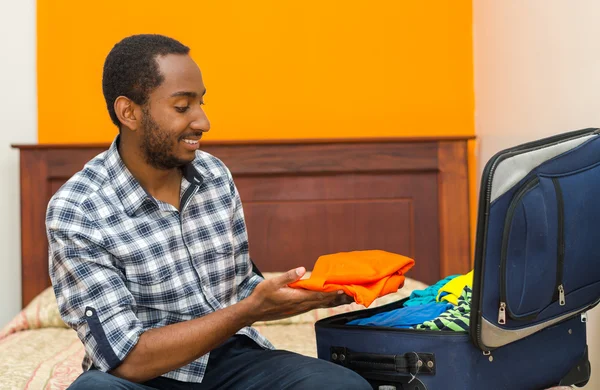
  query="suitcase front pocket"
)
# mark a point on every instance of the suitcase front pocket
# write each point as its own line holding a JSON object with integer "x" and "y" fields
{"x": 548, "y": 255}
{"x": 532, "y": 251}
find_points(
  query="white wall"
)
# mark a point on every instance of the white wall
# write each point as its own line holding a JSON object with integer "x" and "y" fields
{"x": 18, "y": 124}
{"x": 537, "y": 73}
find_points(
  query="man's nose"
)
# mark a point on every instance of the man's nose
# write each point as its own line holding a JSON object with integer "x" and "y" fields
{"x": 201, "y": 121}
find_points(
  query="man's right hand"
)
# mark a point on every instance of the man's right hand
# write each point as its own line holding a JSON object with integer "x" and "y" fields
{"x": 164, "y": 349}
{"x": 272, "y": 299}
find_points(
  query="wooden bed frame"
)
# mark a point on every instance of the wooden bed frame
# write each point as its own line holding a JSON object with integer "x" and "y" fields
{"x": 303, "y": 199}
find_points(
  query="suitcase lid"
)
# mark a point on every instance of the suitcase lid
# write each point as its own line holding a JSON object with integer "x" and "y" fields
{"x": 536, "y": 262}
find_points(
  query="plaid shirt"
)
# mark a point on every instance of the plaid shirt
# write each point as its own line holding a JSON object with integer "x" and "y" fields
{"x": 122, "y": 262}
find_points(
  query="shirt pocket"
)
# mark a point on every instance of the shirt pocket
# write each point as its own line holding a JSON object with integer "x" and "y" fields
{"x": 142, "y": 268}
{"x": 157, "y": 282}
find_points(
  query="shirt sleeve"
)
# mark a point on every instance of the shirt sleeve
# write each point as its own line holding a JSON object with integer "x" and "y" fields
{"x": 91, "y": 293}
{"x": 246, "y": 277}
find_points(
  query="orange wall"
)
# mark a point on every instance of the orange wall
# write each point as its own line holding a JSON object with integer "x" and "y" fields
{"x": 273, "y": 69}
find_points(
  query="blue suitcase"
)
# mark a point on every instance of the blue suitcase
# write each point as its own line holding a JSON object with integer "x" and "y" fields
{"x": 536, "y": 273}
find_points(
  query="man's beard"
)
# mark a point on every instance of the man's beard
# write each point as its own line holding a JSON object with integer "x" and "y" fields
{"x": 157, "y": 145}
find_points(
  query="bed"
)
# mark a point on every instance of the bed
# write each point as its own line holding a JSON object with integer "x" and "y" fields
{"x": 301, "y": 199}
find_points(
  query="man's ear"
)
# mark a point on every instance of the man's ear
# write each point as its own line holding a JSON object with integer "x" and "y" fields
{"x": 128, "y": 112}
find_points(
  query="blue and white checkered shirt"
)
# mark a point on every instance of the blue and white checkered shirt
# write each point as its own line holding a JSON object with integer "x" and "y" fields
{"x": 122, "y": 262}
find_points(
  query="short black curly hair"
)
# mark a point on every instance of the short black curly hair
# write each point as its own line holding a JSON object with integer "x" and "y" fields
{"x": 131, "y": 69}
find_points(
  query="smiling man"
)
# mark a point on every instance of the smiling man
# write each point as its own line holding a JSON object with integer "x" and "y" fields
{"x": 149, "y": 252}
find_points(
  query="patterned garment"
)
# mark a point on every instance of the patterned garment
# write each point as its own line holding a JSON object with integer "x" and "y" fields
{"x": 455, "y": 319}
{"x": 122, "y": 262}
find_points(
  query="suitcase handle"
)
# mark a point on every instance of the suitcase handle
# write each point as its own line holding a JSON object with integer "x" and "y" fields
{"x": 409, "y": 363}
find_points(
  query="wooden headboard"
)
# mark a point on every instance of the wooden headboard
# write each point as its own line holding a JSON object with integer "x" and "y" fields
{"x": 303, "y": 199}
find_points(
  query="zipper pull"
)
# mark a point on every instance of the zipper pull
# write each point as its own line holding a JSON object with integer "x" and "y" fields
{"x": 502, "y": 314}
{"x": 561, "y": 295}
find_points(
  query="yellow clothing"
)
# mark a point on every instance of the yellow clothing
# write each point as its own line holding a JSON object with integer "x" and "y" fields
{"x": 454, "y": 288}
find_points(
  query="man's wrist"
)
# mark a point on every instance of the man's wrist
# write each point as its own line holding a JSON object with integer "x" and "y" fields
{"x": 248, "y": 311}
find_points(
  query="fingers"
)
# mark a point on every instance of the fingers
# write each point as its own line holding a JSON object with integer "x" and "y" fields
{"x": 290, "y": 276}
{"x": 344, "y": 300}
{"x": 340, "y": 299}
{"x": 328, "y": 299}
{"x": 324, "y": 300}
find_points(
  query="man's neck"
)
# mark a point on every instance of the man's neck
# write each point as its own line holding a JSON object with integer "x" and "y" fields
{"x": 162, "y": 184}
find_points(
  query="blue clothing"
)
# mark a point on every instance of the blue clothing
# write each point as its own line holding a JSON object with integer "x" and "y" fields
{"x": 405, "y": 317}
{"x": 422, "y": 297}
{"x": 241, "y": 364}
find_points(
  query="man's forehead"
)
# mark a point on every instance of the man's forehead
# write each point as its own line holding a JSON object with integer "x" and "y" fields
{"x": 181, "y": 74}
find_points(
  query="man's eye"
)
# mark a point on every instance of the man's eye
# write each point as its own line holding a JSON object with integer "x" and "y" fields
{"x": 182, "y": 109}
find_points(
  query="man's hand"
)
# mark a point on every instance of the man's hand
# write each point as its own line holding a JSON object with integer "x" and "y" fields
{"x": 164, "y": 349}
{"x": 273, "y": 299}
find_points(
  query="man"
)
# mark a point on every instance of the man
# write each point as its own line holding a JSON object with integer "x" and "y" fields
{"x": 149, "y": 253}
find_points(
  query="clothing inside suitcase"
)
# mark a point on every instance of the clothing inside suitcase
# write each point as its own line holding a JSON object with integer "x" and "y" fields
{"x": 536, "y": 274}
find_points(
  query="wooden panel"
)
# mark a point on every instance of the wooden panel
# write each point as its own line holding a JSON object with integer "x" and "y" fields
{"x": 324, "y": 158}
{"x": 287, "y": 158}
{"x": 303, "y": 199}
{"x": 35, "y": 195}
{"x": 292, "y": 220}
{"x": 292, "y": 234}
{"x": 454, "y": 207}
{"x": 62, "y": 164}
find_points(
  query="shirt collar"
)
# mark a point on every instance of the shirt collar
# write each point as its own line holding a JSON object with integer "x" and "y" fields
{"x": 195, "y": 173}
{"x": 129, "y": 190}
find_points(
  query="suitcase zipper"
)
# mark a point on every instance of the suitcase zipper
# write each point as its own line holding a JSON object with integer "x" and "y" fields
{"x": 502, "y": 313}
{"x": 560, "y": 290}
{"x": 507, "y": 225}
{"x": 483, "y": 214}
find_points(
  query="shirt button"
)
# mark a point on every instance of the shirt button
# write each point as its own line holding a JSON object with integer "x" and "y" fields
{"x": 89, "y": 313}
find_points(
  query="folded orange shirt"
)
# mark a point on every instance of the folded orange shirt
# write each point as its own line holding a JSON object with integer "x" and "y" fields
{"x": 364, "y": 275}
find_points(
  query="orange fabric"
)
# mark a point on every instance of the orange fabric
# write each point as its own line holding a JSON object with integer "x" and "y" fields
{"x": 364, "y": 275}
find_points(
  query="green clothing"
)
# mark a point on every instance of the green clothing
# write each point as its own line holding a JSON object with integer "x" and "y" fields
{"x": 455, "y": 319}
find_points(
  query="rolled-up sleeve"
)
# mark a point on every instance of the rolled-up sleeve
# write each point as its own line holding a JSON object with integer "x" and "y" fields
{"x": 90, "y": 290}
{"x": 247, "y": 278}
